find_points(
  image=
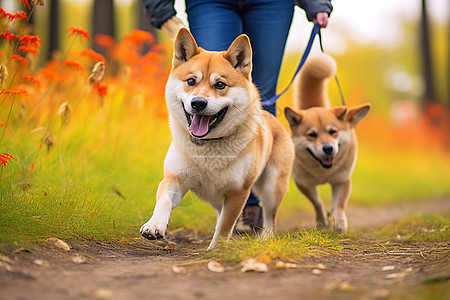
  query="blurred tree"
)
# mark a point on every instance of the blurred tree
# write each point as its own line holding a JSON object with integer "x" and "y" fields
{"x": 103, "y": 21}
{"x": 429, "y": 95}
{"x": 53, "y": 28}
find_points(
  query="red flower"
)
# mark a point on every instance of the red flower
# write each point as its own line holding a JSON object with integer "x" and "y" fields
{"x": 5, "y": 158}
{"x": 8, "y": 36}
{"x": 19, "y": 15}
{"x": 72, "y": 64}
{"x": 31, "y": 78}
{"x": 80, "y": 32}
{"x": 92, "y": 54}
{"x": 13, "y": 92}
{"x": 29, "y": 50}
{"x": 31, "y": 40}
{"x": 101, "y": 89}
{"x": 26, "y": 4}
{"x": 22, "y": 60}
{"x": 5, "y": 124}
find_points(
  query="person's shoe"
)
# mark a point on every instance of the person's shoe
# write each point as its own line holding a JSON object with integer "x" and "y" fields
{"x": 250, "y": 221}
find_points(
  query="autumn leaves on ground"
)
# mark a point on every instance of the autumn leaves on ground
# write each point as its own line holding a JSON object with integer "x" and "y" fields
{"x": 82, "y": 143}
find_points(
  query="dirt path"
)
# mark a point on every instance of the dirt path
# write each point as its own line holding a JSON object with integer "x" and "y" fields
{"x": 364, "y": 269}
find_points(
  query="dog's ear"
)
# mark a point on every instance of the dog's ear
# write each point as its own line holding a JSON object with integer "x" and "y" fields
{"x": 340, "y": 112}
{"x": 294, "y": 118}
{"x": 185, "y": 47}
{"x": 357, "y": 113}
{"x": 240, "y": 55}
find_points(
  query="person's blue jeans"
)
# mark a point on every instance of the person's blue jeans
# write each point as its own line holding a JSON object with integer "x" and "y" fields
{"x": 215, "y": 25}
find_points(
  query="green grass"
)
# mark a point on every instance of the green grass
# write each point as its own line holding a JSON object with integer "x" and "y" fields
{"x": 287, "y": 246}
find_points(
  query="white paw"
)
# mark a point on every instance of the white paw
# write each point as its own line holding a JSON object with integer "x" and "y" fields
{"x": 153, "y": 229}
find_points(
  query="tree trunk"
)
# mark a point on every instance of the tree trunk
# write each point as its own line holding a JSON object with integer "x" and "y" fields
{"x": 428, "y": 95}
{"x": 104, "y": 21}
{"x": 53, "y": 44}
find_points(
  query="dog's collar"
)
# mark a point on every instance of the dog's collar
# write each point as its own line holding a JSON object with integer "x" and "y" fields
{"x": 201, "y": 142}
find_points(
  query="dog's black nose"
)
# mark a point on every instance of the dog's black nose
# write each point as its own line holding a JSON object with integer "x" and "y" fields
{"x": 328, "y": 149}
{"x": 199, "y": 103}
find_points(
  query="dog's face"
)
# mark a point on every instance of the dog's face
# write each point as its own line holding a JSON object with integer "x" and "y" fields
{"x": 207, "y": 92}
{"x": 324, "y": 132}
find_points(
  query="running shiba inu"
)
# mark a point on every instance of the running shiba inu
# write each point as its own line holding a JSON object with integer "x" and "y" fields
{"x": 324, "y": 138}
{"x": 223, "y": 144}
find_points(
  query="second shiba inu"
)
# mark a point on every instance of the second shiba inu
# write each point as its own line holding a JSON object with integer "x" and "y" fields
{"x": 224, "y": 144}
{"x": 324, "y": 138}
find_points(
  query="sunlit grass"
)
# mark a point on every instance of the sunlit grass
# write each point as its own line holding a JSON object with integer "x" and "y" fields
{"x": 287, "y": 246}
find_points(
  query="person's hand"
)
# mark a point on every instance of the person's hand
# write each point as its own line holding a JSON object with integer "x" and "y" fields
{"x": 171, "y": 26}
{"x": 322, "y": 19}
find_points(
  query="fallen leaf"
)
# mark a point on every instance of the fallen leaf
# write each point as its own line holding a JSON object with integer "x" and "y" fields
{"x": 395, "y": 276}
{"x": 256, "y": 267}
{"x": 215, "y": 267}
{"x": 6, "y": 266}
{"x": 58, "y": 243}
{"x": 388, "y": 268}
{"x": 283, "y": 265}
{"x": 78, "y": 259}
{"x": 316, "y": 272}
{"x": 346, "y": 287}
{"x": 264, "y": 259}
{"x": 41, "y": 262}
{"x": 103, "y": 293}
{"x": 179, "y": 270}
{"x": 5, "y": 259}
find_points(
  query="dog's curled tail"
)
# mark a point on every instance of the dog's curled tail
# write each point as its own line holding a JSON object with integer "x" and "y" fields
{"x": 311, "y": 84}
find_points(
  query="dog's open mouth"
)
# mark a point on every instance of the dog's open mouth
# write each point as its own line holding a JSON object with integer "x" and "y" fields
{"x": 326, "y": 162}
{"x": 201, "y": 125}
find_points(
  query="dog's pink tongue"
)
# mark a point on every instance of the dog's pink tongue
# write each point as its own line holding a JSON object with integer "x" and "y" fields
{"x": 327, "y": 161}
{"x": 200, "y": 125}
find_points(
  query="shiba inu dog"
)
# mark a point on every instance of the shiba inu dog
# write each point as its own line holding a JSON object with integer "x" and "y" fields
{"x": 224, "y": 144}
{"x": 324, "y": 138}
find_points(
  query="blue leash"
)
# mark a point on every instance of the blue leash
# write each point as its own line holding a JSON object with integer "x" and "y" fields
{"x": 315, "y": 31}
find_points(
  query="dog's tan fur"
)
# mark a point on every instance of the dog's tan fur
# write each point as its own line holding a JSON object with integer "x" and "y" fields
{"x": 248, "y": 150}
{"x": 316, "y": 127}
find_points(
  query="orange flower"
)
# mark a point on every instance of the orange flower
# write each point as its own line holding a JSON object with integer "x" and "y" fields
{"x": 5, "y": 158}
{"x": 140, "y": 36}
{"x": 8, "y": 36}
{"x": 29, "y": 50}
{"x": 31, "y": 40}
{"x": 92, "y": 54}
{"x": 80, "y": 32}
{"x": 22, "y": 60}
{"x": 31, "y": 78}
{"x": 72, "y": 64}
{"x": 101, "y": 89}
{"x": 104, "y": 40}
{"x": 13, "y": 92}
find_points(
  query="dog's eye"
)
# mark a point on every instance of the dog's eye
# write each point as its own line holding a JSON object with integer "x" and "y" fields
{"x": 332, "y": 132}
{"x": 191, "y": 82}
{"x": 220, "y": 85}
{"x": 312, "y": 135}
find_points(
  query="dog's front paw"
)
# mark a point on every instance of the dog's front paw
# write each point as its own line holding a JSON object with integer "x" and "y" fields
{"x": 153, "y": 230}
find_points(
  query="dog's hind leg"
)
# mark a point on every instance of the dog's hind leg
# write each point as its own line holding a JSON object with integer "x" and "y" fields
{"x": 170, "y": 193}
{"x": 313, "y": 196}
{"x": 226, "y": 219}
{"x": 341, "y": 193}
{"x": 270, "y": 189}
